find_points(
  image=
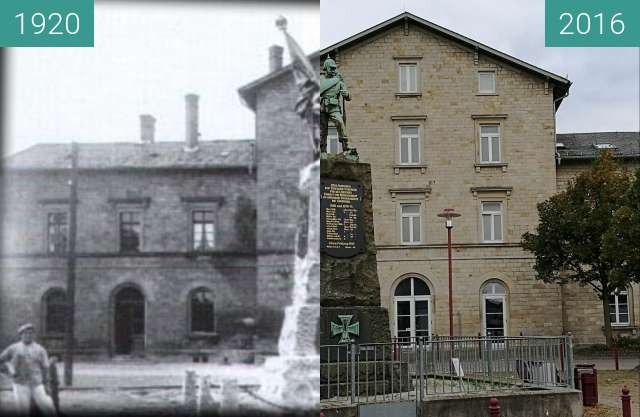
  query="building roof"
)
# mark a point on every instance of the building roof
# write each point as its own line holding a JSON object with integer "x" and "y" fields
{"x": 248, "y": 92}
{"x": 123, "y": 155}
{"x": 584, "y": 145}
{"x": 562, "y": 82}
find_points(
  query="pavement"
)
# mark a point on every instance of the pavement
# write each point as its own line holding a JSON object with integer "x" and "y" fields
{"x": 120, "y": 388}
{"x": 609, "y": 364}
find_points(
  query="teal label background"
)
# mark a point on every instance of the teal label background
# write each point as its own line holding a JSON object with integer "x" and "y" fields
{"x": 10, "y": 25}
{"x": 630, "y": 10}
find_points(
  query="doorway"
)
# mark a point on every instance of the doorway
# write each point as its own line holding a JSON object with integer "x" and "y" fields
{"x": 128, "y": 321}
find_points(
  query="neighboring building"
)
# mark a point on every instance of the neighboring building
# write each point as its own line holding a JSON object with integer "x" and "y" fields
{"x": 165, "y": 263}
{"x": 576, "y": 152}
{"x": 446, "y": 121}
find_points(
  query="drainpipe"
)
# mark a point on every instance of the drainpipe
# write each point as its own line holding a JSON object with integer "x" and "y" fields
{"x": 555, "y": 132}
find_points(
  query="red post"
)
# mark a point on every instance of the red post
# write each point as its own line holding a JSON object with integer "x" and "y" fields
{"x": 450, "y": 283}
{"x": 626, "y": 402}
{"x": 616, "y": 357}
{"x": 494, "y": 407}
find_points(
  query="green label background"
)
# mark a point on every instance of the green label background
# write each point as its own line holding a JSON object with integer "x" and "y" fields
{"x": 630, "y": 10}
{"x": 10, "y": 25}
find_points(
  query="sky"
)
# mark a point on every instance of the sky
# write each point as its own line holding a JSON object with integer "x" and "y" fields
{"x": 147, "y": 56}
{"x": 605, "y": 94}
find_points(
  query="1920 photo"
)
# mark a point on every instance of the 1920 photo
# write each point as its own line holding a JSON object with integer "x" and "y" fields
{"x": 160, "y": 246}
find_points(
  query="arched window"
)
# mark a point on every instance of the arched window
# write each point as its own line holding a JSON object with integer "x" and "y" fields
{"x": 201, "y": 311}
{"x": 54, "y": 308}
{"x": 412, "y": 300}
{"x": 494, "y": 310}
{"x": 619, "y": 308}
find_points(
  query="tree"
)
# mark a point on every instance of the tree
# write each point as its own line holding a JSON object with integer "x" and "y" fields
{"x": 622, "y": 240}
{"x": 576, "y": 239}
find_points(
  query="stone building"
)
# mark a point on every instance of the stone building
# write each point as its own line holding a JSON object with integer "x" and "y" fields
{"x": 282, "y": 150}
{"x": 169, "y": 257}
{"x": 583, "y": 317}
{"x": 446, "y": 121}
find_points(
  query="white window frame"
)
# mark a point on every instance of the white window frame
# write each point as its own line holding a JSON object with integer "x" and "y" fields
{"x": 483, "y": 72}
{"x": 401, "y": 65}
{"x": 493, "y": 215}
{"x": 616, "y": 309}
{"x": 412, "y": 219}
{"x": 490, "y": 137}
{"x": 412, "y": 308}
{"x": 332, "y": 138}
{"x": 493, "y": 296}
{"x": 410, "y": 155}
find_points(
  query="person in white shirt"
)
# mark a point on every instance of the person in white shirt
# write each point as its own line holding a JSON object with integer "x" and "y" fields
{"x": 28, "y": 366}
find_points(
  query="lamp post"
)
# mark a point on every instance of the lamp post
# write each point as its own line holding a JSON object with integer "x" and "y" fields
{"x": 449, "y": 215}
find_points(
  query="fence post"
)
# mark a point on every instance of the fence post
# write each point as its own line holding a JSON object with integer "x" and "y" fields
{"x": 569, "y": 353}
{"x": 626, "y": 402}
{"x": 494, "y": 407}
{"x": 353, "y": 372}
{"x": 616, "y": 356}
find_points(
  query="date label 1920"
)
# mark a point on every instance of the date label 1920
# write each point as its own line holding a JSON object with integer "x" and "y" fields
{"x": 592, "y": 23}
{"x": 46, "y": 23}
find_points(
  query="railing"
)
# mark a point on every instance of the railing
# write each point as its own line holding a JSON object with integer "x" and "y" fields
{"x": 413, "y": 368}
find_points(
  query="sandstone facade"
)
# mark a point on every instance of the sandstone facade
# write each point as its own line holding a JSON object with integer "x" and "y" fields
{"x": 448, "y": 111}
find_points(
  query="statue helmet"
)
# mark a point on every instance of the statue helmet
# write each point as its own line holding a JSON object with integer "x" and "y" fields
{"x": 329, "y": 64}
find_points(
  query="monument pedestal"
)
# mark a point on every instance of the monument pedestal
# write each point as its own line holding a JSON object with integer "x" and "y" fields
{"x": 349, "y": 286}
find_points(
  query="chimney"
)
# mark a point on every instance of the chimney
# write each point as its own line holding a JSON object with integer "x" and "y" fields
{"x": 192, "y": 122}
{"x": 147, "y": 128}
{"x": 275, "y": 57}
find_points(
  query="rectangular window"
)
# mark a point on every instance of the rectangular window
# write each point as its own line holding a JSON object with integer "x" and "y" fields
{"x": 410, "y": 227}
{"x": 619, "y": 308}
{"x": 57, "y": 232}
{"x": 408, "y": 78}
{"x": 489, "y": 144}
{"x": 409, "y": 145}
{"x": 486, "y": 82}
{"x": 203, "y": 230}
{"x": 491, "y": 222}
{"x": 130, "y": 231}
{"x": 333, "y": 145}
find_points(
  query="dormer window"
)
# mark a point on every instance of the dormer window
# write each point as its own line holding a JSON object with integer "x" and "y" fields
{"x": 603, "y": 146}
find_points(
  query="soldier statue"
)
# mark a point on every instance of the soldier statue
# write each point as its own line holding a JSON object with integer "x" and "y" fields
{"x": 332, "y": 88}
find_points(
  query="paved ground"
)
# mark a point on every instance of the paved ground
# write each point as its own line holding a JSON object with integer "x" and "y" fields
{"x": 609, "y": 364}
{"x": 609, "y": 390}
{"x": 127, "y": 387}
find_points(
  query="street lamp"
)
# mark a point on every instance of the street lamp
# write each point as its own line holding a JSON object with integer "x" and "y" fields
{"x": 449, "y": 214}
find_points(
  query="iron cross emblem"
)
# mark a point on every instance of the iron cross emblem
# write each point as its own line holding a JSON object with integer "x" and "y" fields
{"x": 345, "y": 328}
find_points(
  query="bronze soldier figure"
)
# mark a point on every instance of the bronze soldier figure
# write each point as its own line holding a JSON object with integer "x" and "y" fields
{"x": 332, "y": 87}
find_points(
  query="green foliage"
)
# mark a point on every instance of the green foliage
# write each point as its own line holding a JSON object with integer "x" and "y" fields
{"x": 590, "y": 233}
{"x": 622, "y": 240}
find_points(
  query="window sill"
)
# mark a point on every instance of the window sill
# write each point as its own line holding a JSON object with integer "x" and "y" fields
{"x": 492, "y": 242}
{"x": 402, "y": 95}
{"x": 204, "y": 335}
{"x": 481, "y": 165}
{"x": 487, "y": 94}
{"x": 405, "y": 245}
{"x": 623, "y": 326}
{"x": 421, "y": 167}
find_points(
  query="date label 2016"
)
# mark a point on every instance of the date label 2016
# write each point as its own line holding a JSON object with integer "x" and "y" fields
{"x": 43, "y": 23}
{"x": 592, "y": 23}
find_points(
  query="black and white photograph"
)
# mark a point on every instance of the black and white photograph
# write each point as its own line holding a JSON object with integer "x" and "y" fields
{"x": 159, "y": 234}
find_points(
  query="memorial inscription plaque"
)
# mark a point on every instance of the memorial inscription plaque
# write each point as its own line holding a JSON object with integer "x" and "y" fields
{"x": 341, "y": 223}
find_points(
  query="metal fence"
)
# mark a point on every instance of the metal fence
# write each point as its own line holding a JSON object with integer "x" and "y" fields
{"x": 412, "y": 368}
